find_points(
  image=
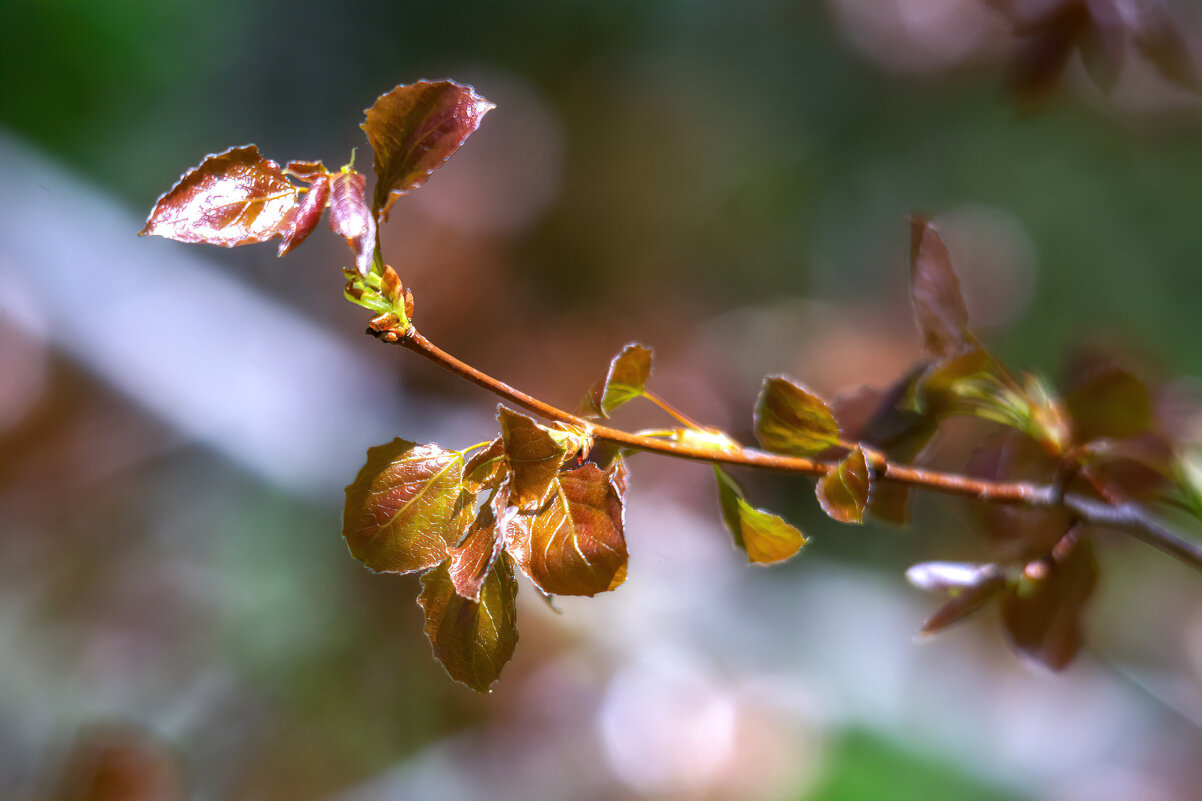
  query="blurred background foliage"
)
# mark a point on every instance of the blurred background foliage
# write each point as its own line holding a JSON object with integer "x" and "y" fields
{"x": 726, "y": 182}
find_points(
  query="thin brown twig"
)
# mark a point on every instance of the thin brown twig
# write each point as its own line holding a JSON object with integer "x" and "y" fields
{"x": 1125, "y": 516}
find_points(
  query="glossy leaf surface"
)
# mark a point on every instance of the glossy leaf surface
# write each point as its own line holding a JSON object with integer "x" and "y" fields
{"x": 351, "y": 219}
{"x": 1042, "y": 614}
{"x": 843, "y": 492}
{"x": 472, "y": 639}
{"x": 472, "y": 559}
{"x": 232, "y": 198}
{"x": 939, "y": 307}
{"x": 486, "y": 469}
{"x": 414, "y": 129}
{"x": 790, "y": 419}
{"x": 574, "y": 544}
{"x": 625, "y": 380}
{"x": 765, "y": 537}
{"x": 534, "y": 457}
{"x": 306, "y": 215}
{"x": 403, "y": 510}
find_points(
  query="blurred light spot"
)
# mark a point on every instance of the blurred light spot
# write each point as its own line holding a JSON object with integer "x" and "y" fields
{"x": 917, "y": 35}
{"x": 511, "y": 169}
{"x": 23, "y": 362}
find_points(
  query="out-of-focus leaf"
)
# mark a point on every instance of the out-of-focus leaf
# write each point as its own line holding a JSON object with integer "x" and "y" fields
{"x": 574, "y": 544}
{"x": 351, "y": 219}
{"x": 1109, "y": 401}
{"x": 1042, "y": 613}
{"x": 1190, "y": 480}
{"x": 120, "y": 762}
{"x": 843, "y": 492}
{"x": 763, "y": 536}
{"x": 403, "y": 510}
{"x": 1103, "y": 44}
{"x": 232, "y": 198}
{"x": 472, "y": 639}
{"x": 472, "y": 559}
{"x": 790, "y": 419}
{"x": 414, "y": 129}
{"x": 1159, "y": 37}
{"x": 533, "y": 455}
{"x": 306, "y": 215}
{"x": 1045, "y": 45}
{"x": 625, "y": 380}
{"x": 1043, "y": 416}
{"x": 939, "y": 307}
{"x": 486, "y": 469}
{"x": 970, "y": 586}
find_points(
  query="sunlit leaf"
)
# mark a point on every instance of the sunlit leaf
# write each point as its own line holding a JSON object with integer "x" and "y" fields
{"x": 534, "y": 457}
{"x": 306, "y": 215}
{"x": 415, "y": 128}
{"x": 232, "y": 198}
{"x": 472, "y": 639}
{"x": 351, "y": 219}
{"x": 792, "y": 420}
{"x": 625, "y": 380}
{"x": 765, "y": 537}
{"x": 307, "y": 171}
{"x": 970, "y": 586}
{"x": 574, "y": 544}
{"x": 708, "y": 439}
{"x": 1042, "y": 613}
{"x": 403, "y": 510}
{"x": 843, "y": 492}
{"x": 939, "y": 307}
{"x": 472, "y": 559}
{"x": 486, "y": 469}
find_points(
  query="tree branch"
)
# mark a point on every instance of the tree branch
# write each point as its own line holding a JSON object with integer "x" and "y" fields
{"x": 1127, "y": 517}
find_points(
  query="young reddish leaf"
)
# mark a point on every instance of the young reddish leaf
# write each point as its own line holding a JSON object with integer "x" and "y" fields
{"x": 1108, "y": 401}
{"x": 1103, "y": 44}
{"x": 939, "y": 307}
{"x": 964, "y": 603}
{"x": 350, "y": 218}
{"x": 308, "y": 171}
{"x": 763, "y": 536}
{"x": 574, "y": 544}
{"x": 533, "y": 455}
{"x": 232, "y": 198}
{"x": 415, "y": 128}
{"x": 843, "y": 492}
{"x": 487, "y": 468}
{"x": 1042, "y": 612}
{"x": 403, "y": 510}
{"x": 625, "y": 380}
{"x": 305, "y": 216}
{"x": 472, "y": 639}
{"x": 472, "y": 559}
{"x": 792, "y": 420}
{"x": 970, "y": 587}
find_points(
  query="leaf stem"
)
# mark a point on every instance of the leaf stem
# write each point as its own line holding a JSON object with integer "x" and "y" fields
{"x": 1125, "y": 516}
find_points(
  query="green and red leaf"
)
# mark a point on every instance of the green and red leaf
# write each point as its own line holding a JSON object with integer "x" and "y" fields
{"x": 574, "y": 544}
{"x": 471, "y": 639}
{"x": 404, "y": 510}
{"x": 230, "y": 199}
{"x": 625, "y": 380}
{"x": 306, "y": 215}
{"x": 534, "y": 457}
{"x": 763, "y": 536}
{"x": 351, "y": 219}
{"x": 414, "y": 129}
{"x": 791, "y": 419}
{"x": 472, "y": 559}
{"x": 843, "y": 492}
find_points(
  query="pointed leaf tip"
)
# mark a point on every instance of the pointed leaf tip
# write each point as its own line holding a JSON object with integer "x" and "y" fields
{"x": 229, "y": 199}
{"x": 764, "y": 537}
{"x": 939, "y": 307}
{"x": 413, "y": 129}
{"x": 791, "y": 419}
{"x": 625, "y": 380}
{"x": 843, "y": 492}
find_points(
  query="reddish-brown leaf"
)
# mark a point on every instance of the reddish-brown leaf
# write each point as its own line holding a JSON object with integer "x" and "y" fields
{"x": 1159, "y": 37}
{"x": 763, "y": 536}
{"x": 843, "y": 492}
{"x": 1042, "y": 613}
{"x": 415, "y": 128}
{"x": 404, "y": 509}
{"x": 939, "y": 307}
{"x": 533, "y": 455}
{"x": 487, "y": 468}
{"x": 574, "y": 544}
{"x": 232, "y": 198}
{"x": 307, "y": 171}
{"x": 1106, "y": 400}
{"x": 1103, "y": 44}
{"x": 306, "y": 215}
{"x": 472, "y": 559}
{"x": 351, "y": 219}
{"x": 792, "y": 420}
{"x": 970, "y": 586}
{"x": 471, "y": 639}
{"x": 625, "y": 380}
